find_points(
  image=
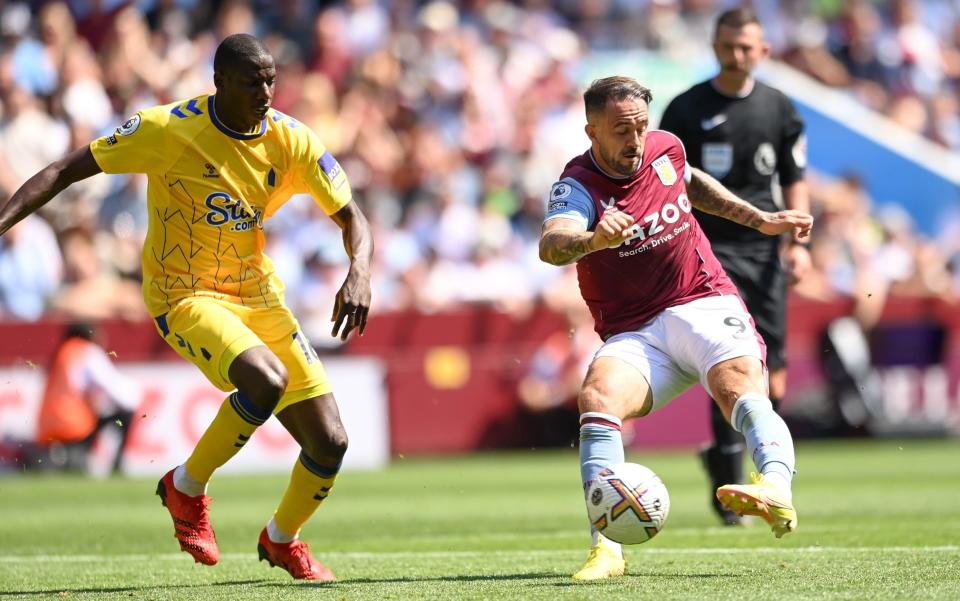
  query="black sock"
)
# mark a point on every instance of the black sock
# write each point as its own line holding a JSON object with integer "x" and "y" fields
{"x": 725, "y": 457}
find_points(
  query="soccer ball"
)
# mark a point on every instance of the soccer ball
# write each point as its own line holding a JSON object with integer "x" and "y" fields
{"x": 627, "y": 503}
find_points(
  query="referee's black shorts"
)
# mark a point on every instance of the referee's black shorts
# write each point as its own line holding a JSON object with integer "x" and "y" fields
{"x": 762, "y": 281}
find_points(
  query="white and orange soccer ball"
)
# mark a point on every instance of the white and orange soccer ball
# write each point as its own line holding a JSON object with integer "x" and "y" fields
{"x": 628, "y": 503}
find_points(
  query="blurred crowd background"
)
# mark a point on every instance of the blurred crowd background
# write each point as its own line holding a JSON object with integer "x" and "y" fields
{"x": 451, "y": 120}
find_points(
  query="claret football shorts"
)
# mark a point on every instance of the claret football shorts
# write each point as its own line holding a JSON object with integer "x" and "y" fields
{"x": 211, "y": 333}
{"x": 677, "y": 348}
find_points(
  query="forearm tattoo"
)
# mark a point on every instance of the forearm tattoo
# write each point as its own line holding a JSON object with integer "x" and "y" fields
{"x": 709, "y": 196}
{"x": 563, "y": 247}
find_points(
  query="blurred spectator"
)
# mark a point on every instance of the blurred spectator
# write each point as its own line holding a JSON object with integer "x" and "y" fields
{"x": 548, "y": 390}
{"x": 34, "y": 69}
{"x": 911, "y": 50}
{"x": 25, "y": 152}
{"x": 95, "y": 19}
{"x": 92, "y": 291}
{"x": 31, "y": 270}
{"x": 844, "y": 242}
{"x": 366, "y": 25}
{"x": 945, "y": 119}
{"x": 452, "y": 119}
{"x": 84, "y": 394}
{"x": 856, "y": 45}
{"x": 331, "y": 56}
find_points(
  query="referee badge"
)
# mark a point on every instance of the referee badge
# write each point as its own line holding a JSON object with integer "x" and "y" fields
{"x": 765, "y": 159}
{"x": 717, "y": 158}
{"x": 665, "y": 171}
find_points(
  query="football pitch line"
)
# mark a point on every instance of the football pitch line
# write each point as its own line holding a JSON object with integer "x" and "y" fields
{"x": 674, "y": 531}
{"x": 87, "y": 558}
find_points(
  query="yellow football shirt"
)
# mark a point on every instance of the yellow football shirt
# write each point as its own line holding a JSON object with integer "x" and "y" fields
{"x": 209, "y": 191}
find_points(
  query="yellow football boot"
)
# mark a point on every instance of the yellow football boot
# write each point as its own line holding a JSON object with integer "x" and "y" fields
{"x": 603, "y": 562}
{"x": 762, "y": 499}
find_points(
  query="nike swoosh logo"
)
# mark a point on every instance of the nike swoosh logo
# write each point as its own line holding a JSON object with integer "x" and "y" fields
{"x": 708, "y": 124}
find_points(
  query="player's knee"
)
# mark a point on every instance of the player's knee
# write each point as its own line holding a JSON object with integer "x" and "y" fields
{"x": 268, "y": 386}
{"x": 338, "y": 443}
{"x": 329, "y": 447}
{"x": 277, "y": 379}
{"x": 724, "y": 403}
{"x": 260, "y": 376}
{"x": 597, "y": 398}
{"x": 731, "y": 379}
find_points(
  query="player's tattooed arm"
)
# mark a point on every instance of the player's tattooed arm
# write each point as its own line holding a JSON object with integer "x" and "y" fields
{"x": 710, "y": 196}
{"x": 562, "y": 242}
{"x": 565, "y": 241}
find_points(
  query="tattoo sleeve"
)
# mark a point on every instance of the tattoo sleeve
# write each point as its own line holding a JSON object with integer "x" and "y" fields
{"x": 710, "y": 196}
{"x": 562, "y": 246}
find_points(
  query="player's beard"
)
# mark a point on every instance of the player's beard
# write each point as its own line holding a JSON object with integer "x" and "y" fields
{"x": 622, "y": 165}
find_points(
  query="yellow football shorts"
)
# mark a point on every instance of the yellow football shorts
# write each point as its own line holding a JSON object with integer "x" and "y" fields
{"x": 211, "y": 333}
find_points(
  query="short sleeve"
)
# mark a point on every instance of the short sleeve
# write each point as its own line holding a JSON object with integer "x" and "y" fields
{"x": 570, "y": 200}
{"x": 320, "y": 175}
{"x": 792, "y": 157}
{"x": 140, "y": 145}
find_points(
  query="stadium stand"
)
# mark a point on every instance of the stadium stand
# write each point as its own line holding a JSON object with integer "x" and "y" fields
{"x": 438, "y": 111}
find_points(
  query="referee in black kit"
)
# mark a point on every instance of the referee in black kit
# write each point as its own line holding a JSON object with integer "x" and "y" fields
{"x": 750, "y": 137}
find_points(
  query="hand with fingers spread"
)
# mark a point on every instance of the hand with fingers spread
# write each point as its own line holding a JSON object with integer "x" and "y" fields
{"x": 782, "y": 222}
{"x": 352, "y": 305}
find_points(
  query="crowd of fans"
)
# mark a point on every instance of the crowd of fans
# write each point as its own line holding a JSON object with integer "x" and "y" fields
{"x": 451, "y": 119}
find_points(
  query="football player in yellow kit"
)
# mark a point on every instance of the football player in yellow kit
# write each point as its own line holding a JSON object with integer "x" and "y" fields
{"x": 218, "y": 166}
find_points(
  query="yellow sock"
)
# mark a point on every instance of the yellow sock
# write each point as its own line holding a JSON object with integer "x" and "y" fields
{"x": 226, "y": 434}
{"x": 310, "y": 484}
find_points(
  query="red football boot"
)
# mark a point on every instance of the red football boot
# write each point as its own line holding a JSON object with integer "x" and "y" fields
{"x": 191, "y": 521}
{"x": 293, "y": 557}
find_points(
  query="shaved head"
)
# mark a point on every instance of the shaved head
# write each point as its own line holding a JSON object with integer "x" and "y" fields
{"x": 236, "y": 50}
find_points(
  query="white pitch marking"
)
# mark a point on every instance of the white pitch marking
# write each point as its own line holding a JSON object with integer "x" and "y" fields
{"x": 466, "y": 554}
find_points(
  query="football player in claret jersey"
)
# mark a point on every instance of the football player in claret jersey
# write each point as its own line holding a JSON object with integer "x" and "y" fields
{"x": 750, "y": 137}
{"x": 667, "y": 312}
{"x": 218, "y": 165}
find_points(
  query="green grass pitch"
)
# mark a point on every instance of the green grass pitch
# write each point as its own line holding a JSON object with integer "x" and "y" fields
{"x": 878, "y": 520}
